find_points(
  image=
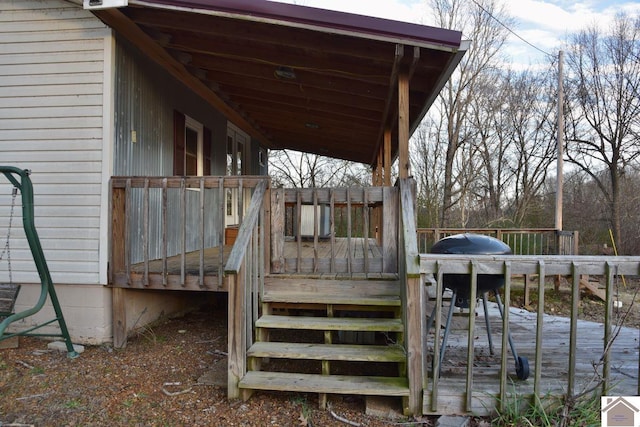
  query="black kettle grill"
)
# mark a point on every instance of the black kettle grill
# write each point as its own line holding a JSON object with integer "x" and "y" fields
{"x": 460, "y": 286}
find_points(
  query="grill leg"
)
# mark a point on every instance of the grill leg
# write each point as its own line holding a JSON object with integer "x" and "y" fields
{"x": 522, "y": 363}
{"x": 447, "y": 326}
{"x": 486, "y": 321}
{"x": 501, "y": 308}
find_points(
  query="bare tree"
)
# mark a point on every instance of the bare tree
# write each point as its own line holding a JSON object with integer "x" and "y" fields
{"x": 427, "y": 160}
{"x": 530, "y": 113}
{"x": 304, "y": 170}
{"x": 602, "y": 123}
{"x": 477, "y": 21}
{"x": 630, "y": 219}
{"x": 492, "y": 140}
{"x": 583, "y": 207}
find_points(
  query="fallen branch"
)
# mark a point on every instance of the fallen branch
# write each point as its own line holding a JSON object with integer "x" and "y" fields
{"x": 33, "y": 396}
{"x": 339, "y": 418}
{"x": 175, "y": 393}
{"x": 26, "y": 365}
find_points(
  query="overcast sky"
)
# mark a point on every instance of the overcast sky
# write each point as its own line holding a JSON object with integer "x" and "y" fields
{"x": 544, "y": 23}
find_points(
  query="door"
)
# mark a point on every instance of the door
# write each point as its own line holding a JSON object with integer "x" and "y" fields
{"x": 237, "y": 146}
{"x": 193, "y": 155}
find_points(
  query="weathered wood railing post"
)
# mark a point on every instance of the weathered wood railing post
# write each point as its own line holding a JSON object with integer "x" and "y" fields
{"x": 243, "y": 293}
{"x": 277, "y": 230}
{"x": 413, "y": 293}
{"x": 117, "y": 264}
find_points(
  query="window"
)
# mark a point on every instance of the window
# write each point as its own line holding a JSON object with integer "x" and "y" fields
{"x": 191, "y": 147}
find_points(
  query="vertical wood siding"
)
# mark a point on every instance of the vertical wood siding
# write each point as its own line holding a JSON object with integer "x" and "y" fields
{"x": 51, "y": 119}
{"x": 145, "y": 100}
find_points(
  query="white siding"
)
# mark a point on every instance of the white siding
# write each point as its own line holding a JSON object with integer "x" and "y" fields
{"x": 52, "y": 78}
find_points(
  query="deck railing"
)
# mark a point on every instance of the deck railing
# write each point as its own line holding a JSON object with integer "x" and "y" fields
{"x": 334, "y": 230}
{"x": 558, "y": 363}
{"x": 522, "y": 241}
{"x": 245, "y": 274}
{"x": 412, "y": 296}
{"x": 162, "y": 228}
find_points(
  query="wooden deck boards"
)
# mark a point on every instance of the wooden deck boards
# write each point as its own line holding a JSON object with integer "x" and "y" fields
{"x": 342, "y": 248}
{"x": 555, "y": 361}
{"x": 354, "y": 255}
{"x": 192, "y": 262}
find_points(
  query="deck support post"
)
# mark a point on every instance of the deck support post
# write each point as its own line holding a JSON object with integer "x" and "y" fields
{"x": 415, "y": 321}
{"x": 376, "y": 175}
{"x": 403, "y": 124}
{"x": 236, "y": 334}
{"x": 119, "y": 320}
{"x": 118, "y": 264}
{"x": 414, "y": 338}
{"x": 386, "y": 163}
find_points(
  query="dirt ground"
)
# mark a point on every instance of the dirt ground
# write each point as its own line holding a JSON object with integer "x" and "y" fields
{"x": 163, "y": 377}
{"x": 166, "y": 376}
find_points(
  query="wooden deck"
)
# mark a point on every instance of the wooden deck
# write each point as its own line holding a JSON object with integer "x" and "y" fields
{"x": 385, "y": 217}
{"x": 343, "y": 248}
{"x": 184, "y": 272}
{"x": 344, "y": 255}
{"x": 554, "y": 364}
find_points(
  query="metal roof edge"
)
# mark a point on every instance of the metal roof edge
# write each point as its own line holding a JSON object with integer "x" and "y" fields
{"x": 319, "y": 19}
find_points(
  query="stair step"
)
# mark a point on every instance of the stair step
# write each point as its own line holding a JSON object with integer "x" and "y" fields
{"x": 331, "y": 384}
{"x": 296, "y": 298}
{"x": 330, "y": 323}
{"x": 328, "y": 291}
{"x": 335, "y": 276}
{"x": 349, "y": 352}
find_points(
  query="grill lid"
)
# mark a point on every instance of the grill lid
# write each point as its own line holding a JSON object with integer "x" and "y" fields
{"x": 472, "y": 244}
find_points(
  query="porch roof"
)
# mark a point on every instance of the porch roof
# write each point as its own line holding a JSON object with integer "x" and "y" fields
{"x": 292, "y": 76}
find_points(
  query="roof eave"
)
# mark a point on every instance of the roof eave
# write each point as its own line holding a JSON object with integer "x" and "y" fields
{"x": 319, "y": 20}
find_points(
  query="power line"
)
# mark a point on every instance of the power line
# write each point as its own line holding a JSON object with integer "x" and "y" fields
{"x": 510, "y": 30}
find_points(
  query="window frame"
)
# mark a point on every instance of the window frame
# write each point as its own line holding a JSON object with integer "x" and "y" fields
{"x": 181, "y": 123}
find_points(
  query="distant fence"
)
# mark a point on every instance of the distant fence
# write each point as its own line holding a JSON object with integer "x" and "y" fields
{"x": 522, "y": 241}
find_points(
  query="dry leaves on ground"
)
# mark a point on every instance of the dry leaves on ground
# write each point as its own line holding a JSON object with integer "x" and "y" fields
{"x": 152, "y": 382}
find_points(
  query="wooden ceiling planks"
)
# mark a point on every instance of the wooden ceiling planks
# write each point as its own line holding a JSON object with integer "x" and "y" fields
{"x": 342, "y": 95}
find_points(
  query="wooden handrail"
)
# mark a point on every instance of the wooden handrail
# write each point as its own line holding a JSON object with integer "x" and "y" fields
{"x": 245, "y": 274}
{"x": 154, "y": 219}
{"x": 245, "y": 232}
{"x": 189, "y": 181}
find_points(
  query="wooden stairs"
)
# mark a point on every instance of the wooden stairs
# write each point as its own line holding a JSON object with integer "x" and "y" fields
{"x": 329, "y": 336}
